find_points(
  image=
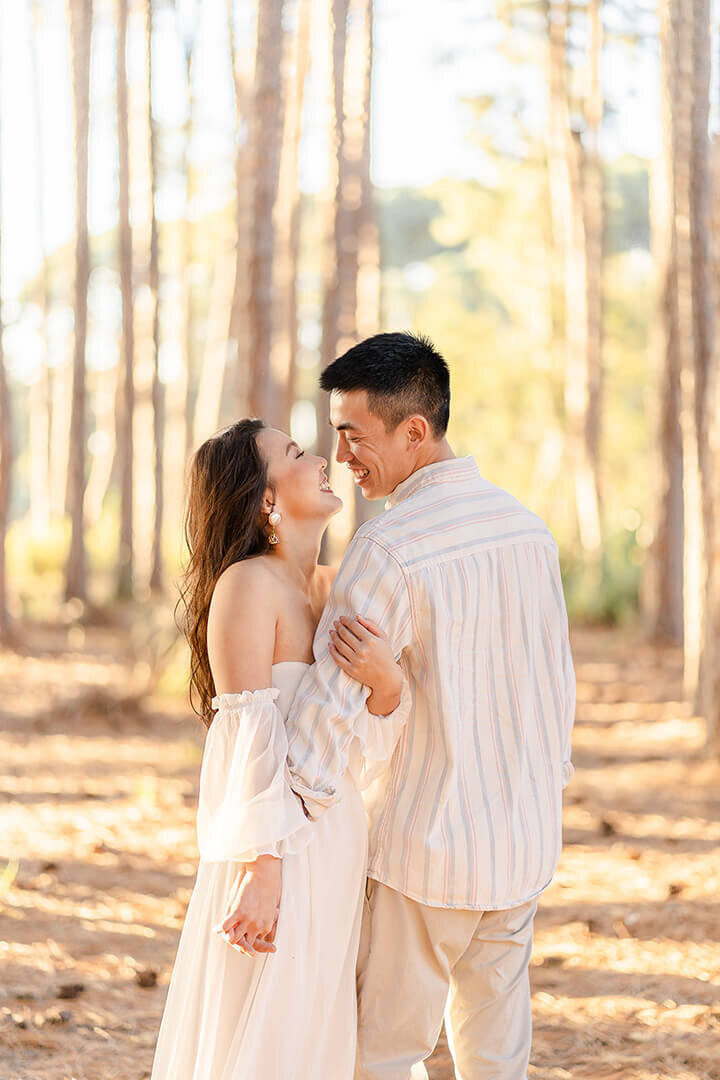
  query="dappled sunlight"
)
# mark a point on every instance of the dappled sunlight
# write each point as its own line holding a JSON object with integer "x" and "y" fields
{"x": 98, "y": 822}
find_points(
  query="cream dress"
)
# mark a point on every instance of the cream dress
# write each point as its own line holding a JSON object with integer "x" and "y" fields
{"x": 290, "y": 1015}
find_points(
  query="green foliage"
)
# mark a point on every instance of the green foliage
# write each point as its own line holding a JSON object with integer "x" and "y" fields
{"x": 484, "y": 296}
{"x": 607, "y": 594}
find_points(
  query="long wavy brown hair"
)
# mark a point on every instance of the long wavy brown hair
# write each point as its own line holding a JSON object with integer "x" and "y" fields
{"x": 223, "y": 524}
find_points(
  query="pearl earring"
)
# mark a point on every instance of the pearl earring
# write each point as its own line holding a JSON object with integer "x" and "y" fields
{"x": 274, "y": 519}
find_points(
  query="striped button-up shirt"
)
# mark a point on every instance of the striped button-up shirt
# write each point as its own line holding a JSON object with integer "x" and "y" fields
{"x": 466, "y": 583}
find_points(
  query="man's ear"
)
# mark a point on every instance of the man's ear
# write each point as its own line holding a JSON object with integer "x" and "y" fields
{"x": 418, "y": 431}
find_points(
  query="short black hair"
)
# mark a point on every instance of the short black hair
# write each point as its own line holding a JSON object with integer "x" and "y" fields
{"x": 403, "y": 374}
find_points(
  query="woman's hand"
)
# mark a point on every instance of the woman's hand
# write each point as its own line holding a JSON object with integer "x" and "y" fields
{"x": 252, "y": 913}
{"x": 363, "y": 650}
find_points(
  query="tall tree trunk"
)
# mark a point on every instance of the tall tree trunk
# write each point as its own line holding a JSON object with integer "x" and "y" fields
{"x": 331, "y": 241}
{"x": 187, "y": 256}
{"x": 268, "y": 114}
{"x": 127, "y": 395}
{"x": 336, "y": 47}
{"x": 677, "y": 58}
{"x": 368, "y": 269}
{"x": 158, "y": 390}
{"x": 238, "y": 359}
{"x": 706, "y": 360}
{"x": 41, "y": 391}
{"x": 6, "y": 447}
{"x": 286, "y": 222}
{"x": 81, "y": 37}
{"x": 594, "y": 218}
{"x": 662, "y": 587}
{"x": 568, "y": 213}
{"x": 710, "y": 687}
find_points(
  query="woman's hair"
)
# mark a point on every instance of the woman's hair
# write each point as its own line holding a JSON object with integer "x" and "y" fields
{"x": 223, "y": 524}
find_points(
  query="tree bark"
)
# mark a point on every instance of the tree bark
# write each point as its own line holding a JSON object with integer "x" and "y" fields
{"x": 706, "y": 361}
{"x": 594, "y": 220}
{"x": 332, "y": 234}
{"x": 158, "y": 390}
{"x": 6, "y": 452}
{"x": 368, "y": 263}
{"x": 286, "y": 222}
{"x": 41, "y": 391}
{"x": 268, "y": 114}
{"x": 238, "y": 357}
{"x": 127, "y": 395}
{"x": 187, "y": 252}
{"x": 80, "y": 44}
{"x": 662, "y": 586}
{"x": 569, "y": 233}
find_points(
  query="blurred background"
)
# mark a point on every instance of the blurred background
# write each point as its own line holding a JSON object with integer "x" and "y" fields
{"x": 202, "y": 205}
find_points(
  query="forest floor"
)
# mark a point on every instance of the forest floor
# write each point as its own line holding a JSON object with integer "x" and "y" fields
{"x": 98, "y": 855}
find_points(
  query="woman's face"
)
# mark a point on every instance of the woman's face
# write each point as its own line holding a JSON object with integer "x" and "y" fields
{"x": 300, "y": 480}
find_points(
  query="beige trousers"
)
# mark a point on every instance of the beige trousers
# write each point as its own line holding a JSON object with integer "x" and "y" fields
{"x": 418, "y": 962}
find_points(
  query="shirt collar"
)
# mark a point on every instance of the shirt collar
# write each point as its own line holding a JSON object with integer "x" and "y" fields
{"x": 440, "y": 472}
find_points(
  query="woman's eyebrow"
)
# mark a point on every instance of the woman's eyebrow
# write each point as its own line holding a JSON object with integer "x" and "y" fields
{"x": 289, "y": 445}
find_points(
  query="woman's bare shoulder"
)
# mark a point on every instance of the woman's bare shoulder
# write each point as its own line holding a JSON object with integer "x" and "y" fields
{"x": 242, "y": 625}
{"x": 245, "y": 582}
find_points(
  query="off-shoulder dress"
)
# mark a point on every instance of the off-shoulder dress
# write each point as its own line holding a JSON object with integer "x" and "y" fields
{"x": 290, "y": 1015}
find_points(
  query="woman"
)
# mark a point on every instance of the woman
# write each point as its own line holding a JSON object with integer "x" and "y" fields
{"x": 270, "y": 881}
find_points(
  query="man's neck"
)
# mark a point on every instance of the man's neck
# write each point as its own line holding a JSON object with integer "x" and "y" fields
{"x": 438, "y": 451}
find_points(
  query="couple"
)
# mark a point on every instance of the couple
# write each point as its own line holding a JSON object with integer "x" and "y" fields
{"x": 434, "y": 674}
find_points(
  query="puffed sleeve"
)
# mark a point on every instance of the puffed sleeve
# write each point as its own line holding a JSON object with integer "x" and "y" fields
{"x": 378, "y": 737}
{"x": 246, "y": 806}
{"x": 329, "y": 719}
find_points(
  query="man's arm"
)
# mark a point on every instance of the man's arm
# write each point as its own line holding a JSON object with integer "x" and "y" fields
{"x": 330, "y": 708}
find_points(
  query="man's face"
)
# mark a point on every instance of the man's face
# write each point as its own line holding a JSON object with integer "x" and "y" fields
{"x": 378, "y": 459}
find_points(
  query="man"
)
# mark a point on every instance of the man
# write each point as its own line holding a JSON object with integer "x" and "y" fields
{"x": 465, "y": 828}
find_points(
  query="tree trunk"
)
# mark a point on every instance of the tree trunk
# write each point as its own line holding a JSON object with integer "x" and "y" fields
{"x": 187, "y": 252}
{"x": 81, "y": 37}
{"x": 678, "y": 45}
{"x": 238, "y": 358}
{"x": 286, "y": 221}
{"x": 662, "y": 586}
{"x": 710, "y": 686}
{"x": 368, "y": 268}
{"x": 41, "y": 391}
{"x": 158, "y": 390}
{"x": 705, "y": 361}
{"x": 268, "y": 114}
{"x": 127, "y": 395}
{"x": 332, "y": 238}
{"x": 568, "y": 214}
{"x": 594, "y": 215}
{"x": 6, "y": 449}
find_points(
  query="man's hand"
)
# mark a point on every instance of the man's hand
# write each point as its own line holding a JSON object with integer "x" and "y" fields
{"x": 251, "y": 917}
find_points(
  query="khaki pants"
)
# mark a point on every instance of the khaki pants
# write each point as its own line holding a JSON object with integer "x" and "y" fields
{"x": 418, "y": 962}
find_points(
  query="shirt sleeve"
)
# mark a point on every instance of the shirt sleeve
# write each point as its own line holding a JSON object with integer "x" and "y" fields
{"x": 567, "y": 675}
{"x": 246, "y": 806}
{"x": 569, "y": 713}
{"x": 329, "y": 709}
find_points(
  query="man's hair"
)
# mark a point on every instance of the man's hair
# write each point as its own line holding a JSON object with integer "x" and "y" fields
{"x": 403, "y": 374}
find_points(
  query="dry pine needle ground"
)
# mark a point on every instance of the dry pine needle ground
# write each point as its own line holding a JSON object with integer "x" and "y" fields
{"x": 98, "y": 858}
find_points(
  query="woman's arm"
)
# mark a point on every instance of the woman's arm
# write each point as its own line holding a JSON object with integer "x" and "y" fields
{"x": 241, "y": 642}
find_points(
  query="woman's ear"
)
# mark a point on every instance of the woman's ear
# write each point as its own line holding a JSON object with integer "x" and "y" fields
{"x": 268, "y": 502}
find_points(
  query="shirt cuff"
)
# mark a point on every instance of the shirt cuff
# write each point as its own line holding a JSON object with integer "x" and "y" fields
{"x": 568, "y": 771}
